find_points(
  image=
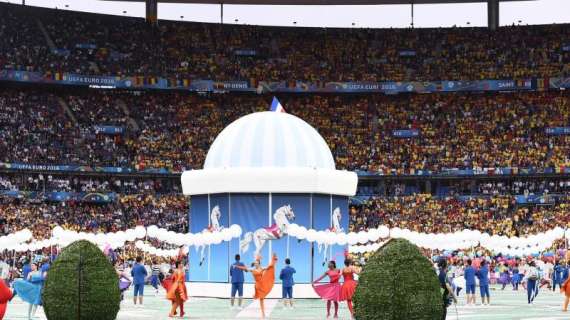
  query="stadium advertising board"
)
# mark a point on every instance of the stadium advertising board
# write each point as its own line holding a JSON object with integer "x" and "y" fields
{"x": 387, "y": 87}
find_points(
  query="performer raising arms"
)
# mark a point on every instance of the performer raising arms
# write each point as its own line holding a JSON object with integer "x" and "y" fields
{"x": 349, "y": 285}
{"x": 177, "y": 290}
{"x": 30, "y": 290}
{"x": 329, "y": 291}
{"x": 264, "y": 280}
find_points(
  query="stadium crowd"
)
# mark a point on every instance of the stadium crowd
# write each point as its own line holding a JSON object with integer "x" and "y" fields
{"x": 73, "y": 183}
{"x": 167, "y": 211}
{"x": 496, "y": 215}
{"x": 175, "y": 130}
{"x": 56, "y": 41}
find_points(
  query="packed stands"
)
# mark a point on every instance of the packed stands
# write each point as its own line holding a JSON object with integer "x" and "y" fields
{"x": 107, "y": 45}
{"x": 175, "y": 130}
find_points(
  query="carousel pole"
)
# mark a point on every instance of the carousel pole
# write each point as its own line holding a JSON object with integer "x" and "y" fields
{"x": 288, "y": 246}
{"x": 209, "y": 246}
{"x": 566, "y": 247}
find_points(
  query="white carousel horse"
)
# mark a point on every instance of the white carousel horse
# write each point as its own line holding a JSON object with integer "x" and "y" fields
{"x": 213, "y": 227}
{"x": 335, "y": 228}
{"x": 282, "y": 218}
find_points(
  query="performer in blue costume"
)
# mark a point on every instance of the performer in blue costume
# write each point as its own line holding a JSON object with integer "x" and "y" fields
{"x": 30, "y": 290}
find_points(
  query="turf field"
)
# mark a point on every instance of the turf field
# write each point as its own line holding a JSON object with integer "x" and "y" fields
{"x": 506, "y": 304}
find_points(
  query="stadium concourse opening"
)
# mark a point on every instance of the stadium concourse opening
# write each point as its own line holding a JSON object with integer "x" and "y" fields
{"x": 174, "y": 149}
{"x": 492, "y": 5}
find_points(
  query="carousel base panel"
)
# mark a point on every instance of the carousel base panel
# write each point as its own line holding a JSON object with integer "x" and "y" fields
{"x": 222, "y": 290}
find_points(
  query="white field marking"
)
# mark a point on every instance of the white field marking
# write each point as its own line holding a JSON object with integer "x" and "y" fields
{"x": 253, "y": 309}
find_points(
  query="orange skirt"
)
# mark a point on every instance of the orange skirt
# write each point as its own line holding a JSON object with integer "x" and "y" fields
{"x": 566, "y": 287}
{"x": 264, "y": 281}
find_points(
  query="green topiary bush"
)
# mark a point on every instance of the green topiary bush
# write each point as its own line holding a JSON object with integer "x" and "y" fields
{"x": 398, "y": 283}
{"x": 81, "y": 285}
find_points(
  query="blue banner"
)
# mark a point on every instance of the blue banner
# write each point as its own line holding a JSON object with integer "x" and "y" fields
{"x": 245, "y": 52}
{"x": 406, "y": 133}
{"x": 86, "y": 46}
{"x": 407, "y": 53}
{"x": 566, "y": 47}
{"x": 112, "y": 130}
{"x": 77, "y": 168}
{"x": 57, "y": 196}
{"x": 558, "y": 131}
{"x": 559, "y": 83}
{"x": 61, "y": 52}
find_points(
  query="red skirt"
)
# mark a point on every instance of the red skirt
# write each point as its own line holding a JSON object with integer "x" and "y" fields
{"x": 328, "y": 291}
{"x": 347, "y": 290}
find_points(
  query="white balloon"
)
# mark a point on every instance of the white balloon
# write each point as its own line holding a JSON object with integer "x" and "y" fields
{"x": 362, "y": 237}
{"x": 302, "y": 233}
{"x": 227, "y": 236}
{"x": 140, "y": 232}
{"x": 341, "y": 239}
{"x": 152, "y": 231}
{"x": 352, "y": 238}
{"x": 236, "y": 231}
{"x": 56, "y": 232}
{"x": 373, "y": 234}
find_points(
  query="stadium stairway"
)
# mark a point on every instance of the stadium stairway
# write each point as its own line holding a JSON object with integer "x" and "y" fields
{"x": 50, "y": 43}
{"x": 68, "y": 111}
{"x": 132, "y": 122}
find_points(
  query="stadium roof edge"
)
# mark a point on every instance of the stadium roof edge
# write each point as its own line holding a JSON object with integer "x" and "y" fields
{"x": 318, "y": 2}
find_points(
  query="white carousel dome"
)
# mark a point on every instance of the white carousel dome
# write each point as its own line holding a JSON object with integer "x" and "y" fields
{"x": 269, "y": 140}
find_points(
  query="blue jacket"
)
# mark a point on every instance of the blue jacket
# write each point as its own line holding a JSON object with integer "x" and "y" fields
{"x": 469, "y": 275}
{"x": 286, "y": 276}
{"x": 235, "y": 273}
{"x": 558, "y": 272}
{"x": 565, "y": 272}
{"x": 138, "y": 273}
{"x": 483, "y": 275}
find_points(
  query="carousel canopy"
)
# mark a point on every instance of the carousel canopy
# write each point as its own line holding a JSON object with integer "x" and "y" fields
{"x": 269, "y": 152}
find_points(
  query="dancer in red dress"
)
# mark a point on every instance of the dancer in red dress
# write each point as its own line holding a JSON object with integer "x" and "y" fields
{"x": 349, "y": 285}
{"x": 5, "y": 296}
{"x": 329, "y": 291}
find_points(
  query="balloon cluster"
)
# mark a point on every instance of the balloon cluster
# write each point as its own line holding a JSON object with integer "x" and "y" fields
{"x": 158, "y": 252}
{"x": 372, "y": 247}
{"x": 195, "y": 239}
{"x": 15, "y": 241}
{"x": 459, "y": 240}
{"x": 337, "y": 238}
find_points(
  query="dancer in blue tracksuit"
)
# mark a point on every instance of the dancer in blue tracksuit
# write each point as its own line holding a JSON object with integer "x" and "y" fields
{"x": 532, "y": 277}
{"x": 557, "y": 276}
{"x": 516, "y": 280}
{"x": 483, "y": 275}
{"x": 469, "y": 275}
{"x": 139, "y": 275}
{"x": 237, "y": 279}
{"x": 286, "y": 277}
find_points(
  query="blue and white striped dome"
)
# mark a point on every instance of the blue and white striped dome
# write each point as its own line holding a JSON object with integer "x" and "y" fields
{"x": 269, "y": 139}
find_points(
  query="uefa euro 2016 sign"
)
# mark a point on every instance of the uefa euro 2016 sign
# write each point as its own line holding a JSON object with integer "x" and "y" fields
{"x": 265, "y": 172}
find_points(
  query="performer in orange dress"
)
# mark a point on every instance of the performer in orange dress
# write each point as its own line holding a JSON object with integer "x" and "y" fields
{"x": 565, "y": 289}
{"x": 177, "y": 291}
{"x": 264, "y": 280}
{"x": 5, "y": 296}
{"x": 349, "y": 286}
